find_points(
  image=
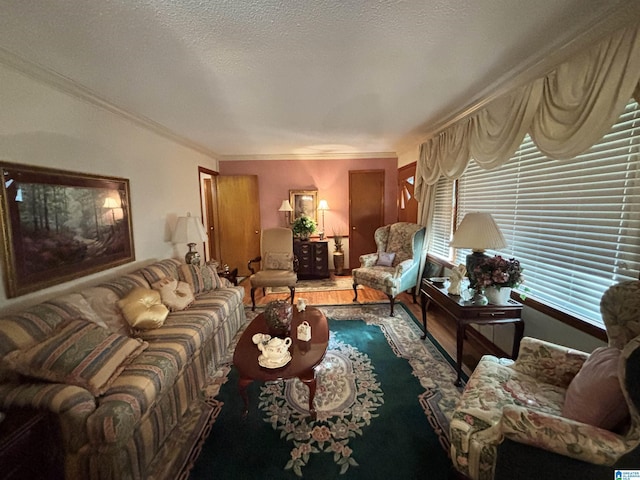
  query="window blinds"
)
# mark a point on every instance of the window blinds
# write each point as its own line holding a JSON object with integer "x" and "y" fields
{"x": 442, "y": 223}
{"x": 573, "y": 224}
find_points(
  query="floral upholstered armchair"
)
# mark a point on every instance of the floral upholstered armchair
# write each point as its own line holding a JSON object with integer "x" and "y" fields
{"x": 395, "y": 267}
{"x": 556, "y": 412}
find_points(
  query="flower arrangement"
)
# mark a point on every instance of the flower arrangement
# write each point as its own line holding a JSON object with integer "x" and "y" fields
{"x": 498, "y": 272}
{"x": 303, "y": 226}
{"x": 337, "y": 240}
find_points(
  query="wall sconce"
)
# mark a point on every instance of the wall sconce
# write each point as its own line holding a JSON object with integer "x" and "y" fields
{"x": 322, "y": 206}
{"x": 287, "y": 209}
{"x": 189, "y": 230}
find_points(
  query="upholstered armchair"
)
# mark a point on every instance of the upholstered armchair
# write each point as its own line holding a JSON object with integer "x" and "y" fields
{"x": 278, "y": 263}
{"x": 395, "y": 267}
{"x": 556, "y": 412}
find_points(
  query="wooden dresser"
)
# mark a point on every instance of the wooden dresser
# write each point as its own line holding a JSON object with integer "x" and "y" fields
{"x": 313, "y": 259}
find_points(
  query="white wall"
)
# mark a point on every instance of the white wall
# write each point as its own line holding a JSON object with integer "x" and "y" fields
{"x": 40, "y": 125}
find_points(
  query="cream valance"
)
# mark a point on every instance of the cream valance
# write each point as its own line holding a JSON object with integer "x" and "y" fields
{"x": 565, "y": 112}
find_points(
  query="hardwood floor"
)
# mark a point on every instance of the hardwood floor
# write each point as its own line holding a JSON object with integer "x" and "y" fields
{"x": 442, "y": 328}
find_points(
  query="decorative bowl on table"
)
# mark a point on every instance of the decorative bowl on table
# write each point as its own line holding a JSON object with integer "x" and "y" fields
{"x": 278, "y": 315}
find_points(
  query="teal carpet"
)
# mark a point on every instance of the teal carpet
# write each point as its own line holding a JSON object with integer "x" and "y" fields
{"x": 383, "y": 400}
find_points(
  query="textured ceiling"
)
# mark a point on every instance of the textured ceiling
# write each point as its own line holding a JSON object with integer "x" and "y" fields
{"x": 280, "y": 78}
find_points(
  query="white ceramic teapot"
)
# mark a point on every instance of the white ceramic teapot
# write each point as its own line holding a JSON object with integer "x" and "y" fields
{"x": 276, "y": 349}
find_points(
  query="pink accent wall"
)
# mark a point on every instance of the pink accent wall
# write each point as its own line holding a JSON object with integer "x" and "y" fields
{"x": 329, "y": 177}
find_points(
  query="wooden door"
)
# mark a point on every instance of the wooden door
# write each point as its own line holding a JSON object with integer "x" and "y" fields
{"x": 366, "y": 212}
{"x": 407, "y": 203}
{"x": 238, "y": 220}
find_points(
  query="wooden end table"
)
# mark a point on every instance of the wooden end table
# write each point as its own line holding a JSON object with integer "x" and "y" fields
{"x": 231, "y": 275}
{"x": 465, "y": 313}
{"x": 305, "y": 356}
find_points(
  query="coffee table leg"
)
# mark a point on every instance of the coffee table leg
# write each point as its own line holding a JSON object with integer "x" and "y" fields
{"x": 243, "y": 383}
{"x": 310, "y": 381}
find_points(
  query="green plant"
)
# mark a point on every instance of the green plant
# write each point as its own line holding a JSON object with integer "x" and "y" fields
{"x": 303, "y": 226}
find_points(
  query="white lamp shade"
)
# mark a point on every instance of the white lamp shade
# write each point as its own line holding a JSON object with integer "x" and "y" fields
{"x": 478, "y": 231}
{"x": 323, "y": 205}
{"x": 189, "y": 230}
{"x": 110, "y": 202}
{"x": 285, "y": 206}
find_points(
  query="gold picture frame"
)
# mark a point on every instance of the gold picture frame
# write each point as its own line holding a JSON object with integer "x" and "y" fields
{"x": 58, "y": 225}
{"x": 304, "y": 202}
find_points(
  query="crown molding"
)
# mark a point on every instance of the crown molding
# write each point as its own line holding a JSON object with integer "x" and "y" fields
{"x": 618, "y": 16}
{"x": 308, "y": 156}
{"x": 70, "y": 87}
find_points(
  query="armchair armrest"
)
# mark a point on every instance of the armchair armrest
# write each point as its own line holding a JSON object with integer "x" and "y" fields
{"x": 548, "y": 362}
{"x": 253, "y": 260}
{"x": 403, "y": 267}
{"x": 563, "y": 436}
{"x": 72, "y": 404}
{"x": 368, "y": 260}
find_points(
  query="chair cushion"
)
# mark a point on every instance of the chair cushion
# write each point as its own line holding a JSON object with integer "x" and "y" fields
{"x": 81, "y": 354}
{"x": 274, "y": 278}
{"x": 175, "y": 295}
{"x": 594, "y": 395}
{"x": 385, "y": 259}
{"x": 143, "y": 308}
{"x": 278, "y": 261}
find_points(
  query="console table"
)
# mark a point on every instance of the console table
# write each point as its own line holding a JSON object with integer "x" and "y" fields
{"x": 466, "y": 312}
{"x": 313, "y": 259}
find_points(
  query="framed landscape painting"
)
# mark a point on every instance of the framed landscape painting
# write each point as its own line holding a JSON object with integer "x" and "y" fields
{"x": 58, "y": 226}
{"x": 304, "y": 202}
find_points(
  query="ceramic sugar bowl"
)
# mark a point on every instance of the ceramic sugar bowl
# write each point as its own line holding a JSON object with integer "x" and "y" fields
{"x": 276, "y": 350}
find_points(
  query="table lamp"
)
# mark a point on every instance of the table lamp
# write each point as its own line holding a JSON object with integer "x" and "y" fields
{"x": 477, "y": 231}
{"x": 322, "y": 206}
{"x": 189, "y": 230}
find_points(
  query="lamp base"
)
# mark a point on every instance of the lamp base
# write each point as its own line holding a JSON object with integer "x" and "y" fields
{"x": 473, "y": 259}
{"x": 192, "y": 257}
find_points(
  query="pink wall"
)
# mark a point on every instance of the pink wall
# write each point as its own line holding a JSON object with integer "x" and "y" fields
{"x": 329, "y": 177}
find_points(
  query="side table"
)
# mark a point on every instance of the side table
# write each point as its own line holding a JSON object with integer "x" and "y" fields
{"x": 231, "y": 275}
{"x": 465, "y": 313}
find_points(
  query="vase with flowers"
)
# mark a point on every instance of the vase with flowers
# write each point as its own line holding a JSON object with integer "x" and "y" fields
{"x": 303, "y": 227}
{"x": 497, "y": 276}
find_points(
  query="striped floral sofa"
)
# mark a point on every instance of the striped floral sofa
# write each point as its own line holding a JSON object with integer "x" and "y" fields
{"x": 145, "y": 421}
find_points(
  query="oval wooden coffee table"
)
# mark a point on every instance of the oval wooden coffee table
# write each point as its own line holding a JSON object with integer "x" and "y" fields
{"x": 305, "y": 356}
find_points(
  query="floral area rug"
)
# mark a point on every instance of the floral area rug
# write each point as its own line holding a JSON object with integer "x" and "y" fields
{"x": 319, "y": 285}
{"x": 384, "y": 400}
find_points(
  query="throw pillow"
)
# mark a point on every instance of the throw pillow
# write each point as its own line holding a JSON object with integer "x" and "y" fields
{"x": 80, "y": 353}
{"x": 278, "y": 261}
{"x": 202, "y": 279}
{"x": 385, "y": 259}
{"x": 174, "y": 294}
{"x": 143, "y": 308}
{"x": 594, "y": 395}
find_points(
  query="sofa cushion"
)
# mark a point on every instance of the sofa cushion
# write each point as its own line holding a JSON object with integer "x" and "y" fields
{"x": 201, "y": 278}
{"x": 80, "y": 353}
{"x": 175, "y": 295}
{"x": 594, "y": 395}
{"x": 159, "y": 270}
{"x": 143, "y": 308}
